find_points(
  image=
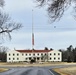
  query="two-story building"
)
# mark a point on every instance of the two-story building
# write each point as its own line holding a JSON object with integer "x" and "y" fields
{"x": 37, "y": 55}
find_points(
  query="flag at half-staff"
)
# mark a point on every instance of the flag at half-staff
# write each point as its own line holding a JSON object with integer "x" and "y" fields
{"x": 33, "y": 39}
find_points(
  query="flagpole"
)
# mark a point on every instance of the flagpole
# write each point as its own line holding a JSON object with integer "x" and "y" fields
{"x": 32, "y": 32}
{"x": 32, "y": 35}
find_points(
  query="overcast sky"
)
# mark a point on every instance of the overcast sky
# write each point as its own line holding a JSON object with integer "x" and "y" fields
{"x": 45, "y": 35}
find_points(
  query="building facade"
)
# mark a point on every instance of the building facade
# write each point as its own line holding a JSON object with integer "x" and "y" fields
{"x": 37, "y": 55}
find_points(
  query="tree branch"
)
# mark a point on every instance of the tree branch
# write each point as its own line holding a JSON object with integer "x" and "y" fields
{"x": 56, "y": 8}
{"x": 6, "y": 25}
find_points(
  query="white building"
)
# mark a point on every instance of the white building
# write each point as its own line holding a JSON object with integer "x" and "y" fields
{"x": 38, "y": 55}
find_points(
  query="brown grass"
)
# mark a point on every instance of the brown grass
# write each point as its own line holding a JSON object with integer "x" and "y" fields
{"x": 3, "y": 69}
{"x": 24, "y": 64}
{"x": 66, "y": 71}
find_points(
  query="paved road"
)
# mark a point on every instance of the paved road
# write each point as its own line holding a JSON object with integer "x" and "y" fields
{"x": 29, "y": 71}
{"x": 32, "y": 70}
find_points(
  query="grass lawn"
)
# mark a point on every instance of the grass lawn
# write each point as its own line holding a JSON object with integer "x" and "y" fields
{"x": 66, "y": 71}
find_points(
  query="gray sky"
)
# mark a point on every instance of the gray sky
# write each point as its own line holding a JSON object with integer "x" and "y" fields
{"x": 45, "y": 35}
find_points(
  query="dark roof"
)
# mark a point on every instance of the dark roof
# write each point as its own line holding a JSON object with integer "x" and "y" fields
{"x": 29, "y": 51}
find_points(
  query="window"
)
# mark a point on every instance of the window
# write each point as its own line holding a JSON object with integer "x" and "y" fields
{"x": 50, "y": 53}
{"x": 58, "y": 58}
{"x": 45, "y": 53}
{"x": 29, "y": 54}
{"x": 17, "y": 54}
{"x": 38, "y": 54}
{"x": 13, "y": 58}
{"x": 50, "y": 58}
{"x": 34, "y": 54}
{"x": 9, "y": 54}
{"x": 41, "y": 58}
{"x": 13, "y": 54}
{"x": 54, "y": 53}
{"x": 9, "y": 58}
{"x": 54, "y": 58}
{"x": 17, "y": 58}
{"x": 41, "y": 54}
{"x": 58, "y": 53}
{"x": 25, "y": 58}
{"x": 37, "y": 58}
{"x": 30, "y": 58}
{"x": 26, "y": 54}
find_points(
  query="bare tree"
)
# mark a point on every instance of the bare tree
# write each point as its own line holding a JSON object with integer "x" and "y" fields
{"x": 6, "y": 24}
{"x": 56, "y": 8}
{"x": 2, "y": 3}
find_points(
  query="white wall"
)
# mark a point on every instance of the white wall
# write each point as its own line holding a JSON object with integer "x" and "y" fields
{"x": 13, "y": 58}
{"x": 23, "y": 56}
{"x": 55, "y": 56}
